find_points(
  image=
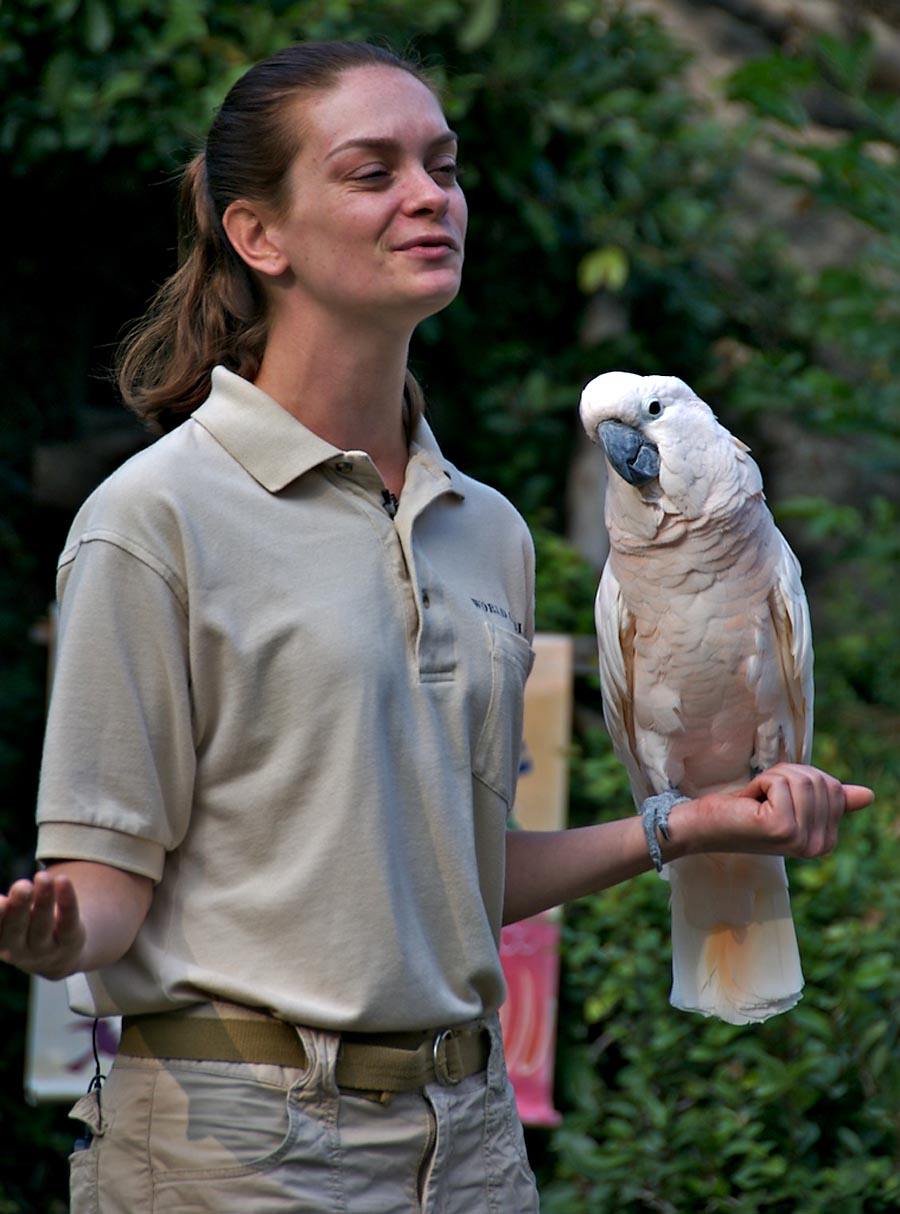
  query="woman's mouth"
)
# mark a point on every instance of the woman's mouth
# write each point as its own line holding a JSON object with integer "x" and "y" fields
{"x": 428, "y": 246}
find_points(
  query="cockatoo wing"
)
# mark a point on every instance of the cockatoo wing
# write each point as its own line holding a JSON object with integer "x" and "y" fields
{"x": 791, "y": 624}
{"x": 615, "y": 641}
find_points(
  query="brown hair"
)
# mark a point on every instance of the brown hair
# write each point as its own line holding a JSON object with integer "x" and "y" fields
{"x": 212, "y": 310}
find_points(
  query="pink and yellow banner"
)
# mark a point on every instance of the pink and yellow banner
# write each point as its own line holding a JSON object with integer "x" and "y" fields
{"x": 529, "y": 950}
{"x": 530, "y": 956}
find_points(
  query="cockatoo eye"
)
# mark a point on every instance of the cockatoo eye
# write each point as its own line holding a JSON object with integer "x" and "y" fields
{"x": 653, "y": 408}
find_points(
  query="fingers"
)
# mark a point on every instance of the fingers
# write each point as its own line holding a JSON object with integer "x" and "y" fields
{"x": 15, "y": 920}
{"x": 805, "y": 807}
{"x": 40, "y": 926}
{"x": 857, "y": 797}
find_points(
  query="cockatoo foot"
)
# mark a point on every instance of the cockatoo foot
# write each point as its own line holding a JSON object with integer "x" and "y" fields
{"x": 655, "y": 816}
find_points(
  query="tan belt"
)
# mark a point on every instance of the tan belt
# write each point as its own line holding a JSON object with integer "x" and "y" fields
{"x": 377, "y": 1062}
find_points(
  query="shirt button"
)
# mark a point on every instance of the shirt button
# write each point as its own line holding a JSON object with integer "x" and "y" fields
{"x": 344, "y": 465}
{"x": 426, "y": 601}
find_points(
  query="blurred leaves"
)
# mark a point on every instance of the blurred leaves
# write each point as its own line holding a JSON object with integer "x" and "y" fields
{"x": 606, "y": 267}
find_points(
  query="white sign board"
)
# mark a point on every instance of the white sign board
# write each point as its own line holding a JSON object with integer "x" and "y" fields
{"x": 59, "y": 1057}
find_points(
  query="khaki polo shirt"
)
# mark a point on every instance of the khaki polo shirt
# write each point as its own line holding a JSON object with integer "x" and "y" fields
{"x": 300, "y": 717}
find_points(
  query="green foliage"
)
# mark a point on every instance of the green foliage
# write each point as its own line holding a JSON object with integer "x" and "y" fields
{"x": 609, "y": 229}
{"x": 863, "y": 662}
{"x": 565, "y": 586}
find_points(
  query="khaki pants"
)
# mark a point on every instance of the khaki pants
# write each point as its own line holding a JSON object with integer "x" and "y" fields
{"x": 178, "y": 1137}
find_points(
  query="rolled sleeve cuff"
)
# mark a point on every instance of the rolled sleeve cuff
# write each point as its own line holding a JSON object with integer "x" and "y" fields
{"x": 77, "y": 841}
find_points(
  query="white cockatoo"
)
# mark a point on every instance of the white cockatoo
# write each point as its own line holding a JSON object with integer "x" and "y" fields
{"x": 705, "y": 669}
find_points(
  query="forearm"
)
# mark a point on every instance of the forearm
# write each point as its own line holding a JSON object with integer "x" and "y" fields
{"x": 789, "y": 810}
{"x": 545, "y": 869}
{"x": 113, "y": 905}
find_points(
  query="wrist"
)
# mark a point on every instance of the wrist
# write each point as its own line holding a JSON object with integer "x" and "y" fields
{"x": 685, "y": 836}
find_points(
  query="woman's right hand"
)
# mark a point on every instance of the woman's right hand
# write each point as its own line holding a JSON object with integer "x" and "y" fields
{"x": 41, "y": 930}
{"x": 76, "y": 915}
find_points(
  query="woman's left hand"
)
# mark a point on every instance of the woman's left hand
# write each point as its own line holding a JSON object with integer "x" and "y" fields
{"x": 787, "y": 810}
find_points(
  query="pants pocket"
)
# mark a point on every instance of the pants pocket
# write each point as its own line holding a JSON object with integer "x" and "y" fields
{"x": 225, "y": 1142}
{"x": 83, "y": 1197}
{"x": 83, "y": 1188}
{"x": 204, "y": 1123}
{"x": 506, "y": 1159}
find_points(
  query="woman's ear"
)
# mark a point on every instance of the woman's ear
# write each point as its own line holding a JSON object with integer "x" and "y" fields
{"x": 248, "y": 232}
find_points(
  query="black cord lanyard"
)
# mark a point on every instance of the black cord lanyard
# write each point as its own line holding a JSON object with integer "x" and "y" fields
{"x": 96, "y": 1083}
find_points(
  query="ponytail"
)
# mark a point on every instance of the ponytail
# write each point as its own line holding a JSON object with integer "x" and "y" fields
{"x": 210, "y": 311}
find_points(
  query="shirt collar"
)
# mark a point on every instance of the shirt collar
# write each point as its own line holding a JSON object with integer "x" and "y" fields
{"x": 424, "y": 449}
{"x": 275, "y": 448}
{"x": 266, "y": 440}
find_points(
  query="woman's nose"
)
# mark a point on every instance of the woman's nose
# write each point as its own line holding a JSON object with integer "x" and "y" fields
{"x": 424, "y": 194}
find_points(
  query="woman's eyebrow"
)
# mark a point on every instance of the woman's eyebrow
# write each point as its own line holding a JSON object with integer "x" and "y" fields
{"x": 388, "y": 145}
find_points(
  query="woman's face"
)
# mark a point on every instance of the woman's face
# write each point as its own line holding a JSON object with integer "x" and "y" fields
{"x": 376, "y": 219}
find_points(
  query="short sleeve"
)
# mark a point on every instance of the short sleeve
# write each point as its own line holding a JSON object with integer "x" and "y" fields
{"x": 118, "y": 767}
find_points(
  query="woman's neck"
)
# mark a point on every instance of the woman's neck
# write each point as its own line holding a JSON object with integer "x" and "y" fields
{"x": 349, "y": 392}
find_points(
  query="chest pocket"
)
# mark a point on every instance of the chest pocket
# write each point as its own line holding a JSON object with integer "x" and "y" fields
{"x": 498, "y": 749}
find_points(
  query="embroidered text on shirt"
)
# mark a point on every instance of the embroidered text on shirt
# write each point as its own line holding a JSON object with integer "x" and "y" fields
{"x": 493, "y": 609}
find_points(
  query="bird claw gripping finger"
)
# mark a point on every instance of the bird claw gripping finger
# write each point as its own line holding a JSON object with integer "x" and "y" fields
{"x": 655, "y": 816}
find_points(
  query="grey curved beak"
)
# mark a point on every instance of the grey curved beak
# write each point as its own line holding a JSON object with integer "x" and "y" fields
{"x": 634, "y": 458}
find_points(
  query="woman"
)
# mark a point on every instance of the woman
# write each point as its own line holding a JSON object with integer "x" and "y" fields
{"x": 287, "y": 708}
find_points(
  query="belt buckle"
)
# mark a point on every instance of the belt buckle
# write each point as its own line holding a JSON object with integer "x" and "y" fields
{"x": 439, "y": 1057}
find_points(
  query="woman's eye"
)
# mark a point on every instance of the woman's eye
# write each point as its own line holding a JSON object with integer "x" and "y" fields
{"x": 374, "y": 173}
